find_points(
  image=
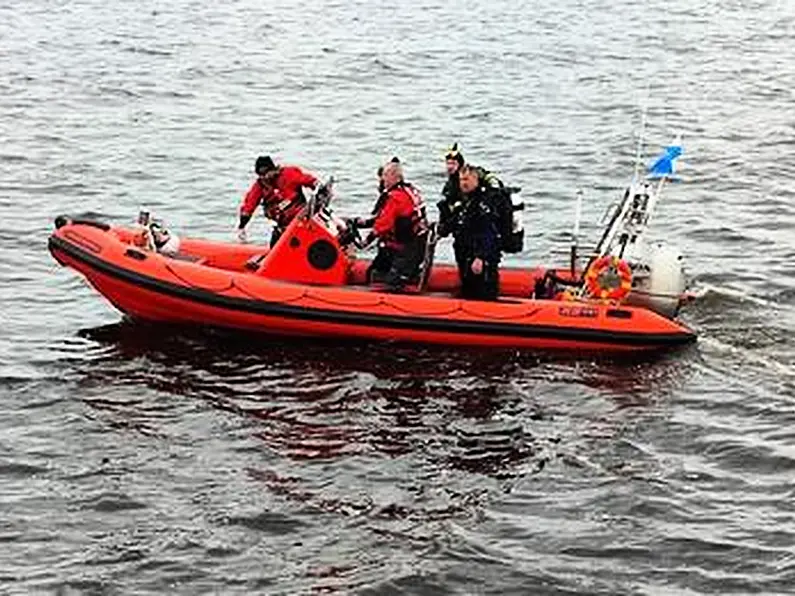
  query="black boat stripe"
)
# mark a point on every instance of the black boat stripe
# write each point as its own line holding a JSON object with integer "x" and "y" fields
{"x": 366, "y": 319}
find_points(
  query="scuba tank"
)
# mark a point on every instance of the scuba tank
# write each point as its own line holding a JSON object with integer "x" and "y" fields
{"x": 508, "y": 211}
{"x": 513, "y": 239}
{"x": 509, "y": 221}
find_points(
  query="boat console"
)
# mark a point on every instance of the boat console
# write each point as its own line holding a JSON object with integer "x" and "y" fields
{"x": 314, "y": 248}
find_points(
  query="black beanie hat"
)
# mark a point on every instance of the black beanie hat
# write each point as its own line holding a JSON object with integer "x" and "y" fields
{"x": 264, "y": 164}
{"x": 455, "y": 153}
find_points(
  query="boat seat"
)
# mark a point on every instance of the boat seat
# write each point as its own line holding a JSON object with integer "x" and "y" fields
{"x": 427, "y": 258}
{"x": 420, "y": 280}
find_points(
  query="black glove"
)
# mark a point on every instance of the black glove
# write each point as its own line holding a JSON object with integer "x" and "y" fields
{"x": 371, "y": 237}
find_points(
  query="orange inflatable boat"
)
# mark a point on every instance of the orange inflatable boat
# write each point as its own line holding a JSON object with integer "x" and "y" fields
{"x": 311, "y": 284}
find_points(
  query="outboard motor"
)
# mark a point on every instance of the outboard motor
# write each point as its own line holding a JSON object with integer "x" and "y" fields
{"x": 658, "y": 280}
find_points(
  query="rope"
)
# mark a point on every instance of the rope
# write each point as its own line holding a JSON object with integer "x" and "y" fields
{"x": 377, "y": 302}
{"x": 236, "y": 284}
{"x": 447, "y": 313}
{"x": 194, "y": 286}
{"x": 458, "y": 308}
{"x": 526, "y": 315}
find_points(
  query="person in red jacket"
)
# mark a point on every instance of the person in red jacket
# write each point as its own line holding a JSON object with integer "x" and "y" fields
{"x": 399, "y": 225}
{"x": 280, "y": 190}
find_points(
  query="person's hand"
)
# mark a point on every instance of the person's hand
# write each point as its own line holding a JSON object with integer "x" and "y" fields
{"x": 242, "y": 236}
{"x": 477, "y": 266}
{"x": 371, "y": 237}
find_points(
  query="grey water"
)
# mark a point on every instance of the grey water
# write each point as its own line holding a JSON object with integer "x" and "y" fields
{"x": 138, "y": 461}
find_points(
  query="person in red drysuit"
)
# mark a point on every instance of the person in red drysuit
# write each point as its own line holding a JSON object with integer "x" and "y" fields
{"x": 280, "y": 190}
{"x": 400, "y": 225}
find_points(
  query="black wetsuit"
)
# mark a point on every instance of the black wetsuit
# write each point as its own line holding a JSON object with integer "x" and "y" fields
{"x": 474, "y": 225}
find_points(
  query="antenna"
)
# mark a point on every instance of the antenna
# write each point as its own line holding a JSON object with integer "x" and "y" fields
{"x": 642, "y": 132}
{"x": 575, "y": 233}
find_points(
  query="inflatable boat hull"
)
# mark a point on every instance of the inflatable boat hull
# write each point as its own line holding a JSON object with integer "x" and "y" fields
{"x": 211, "y": 287}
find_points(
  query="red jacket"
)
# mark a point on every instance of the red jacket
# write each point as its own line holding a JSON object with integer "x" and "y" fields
{"x": 402, "y": 201}
{"x": 284, "y": 200}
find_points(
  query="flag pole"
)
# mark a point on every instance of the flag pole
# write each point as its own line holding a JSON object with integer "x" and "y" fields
{"x": 665, "y": 175}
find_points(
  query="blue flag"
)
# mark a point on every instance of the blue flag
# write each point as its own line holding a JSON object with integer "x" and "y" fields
{"x": 663, "y": 165}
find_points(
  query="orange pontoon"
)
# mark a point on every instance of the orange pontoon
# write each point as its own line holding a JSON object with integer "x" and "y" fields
{"x": 310, "y": 285}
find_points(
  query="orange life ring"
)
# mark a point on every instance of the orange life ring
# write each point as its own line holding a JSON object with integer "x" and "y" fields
{"x": 602, "y": 275}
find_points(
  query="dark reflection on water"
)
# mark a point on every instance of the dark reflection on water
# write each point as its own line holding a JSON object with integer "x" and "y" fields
{"x": 315, "y": 400}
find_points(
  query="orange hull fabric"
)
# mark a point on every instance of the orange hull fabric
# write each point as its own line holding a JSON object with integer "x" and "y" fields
{"x": 209, "y": 285}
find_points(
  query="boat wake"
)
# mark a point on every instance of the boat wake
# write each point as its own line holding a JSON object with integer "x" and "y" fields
{"x": 781, "y": 369}
{"x": 710, "y": 293}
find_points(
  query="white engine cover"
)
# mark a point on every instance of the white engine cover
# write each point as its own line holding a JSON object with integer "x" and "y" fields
{"x": 659, "y": 280}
